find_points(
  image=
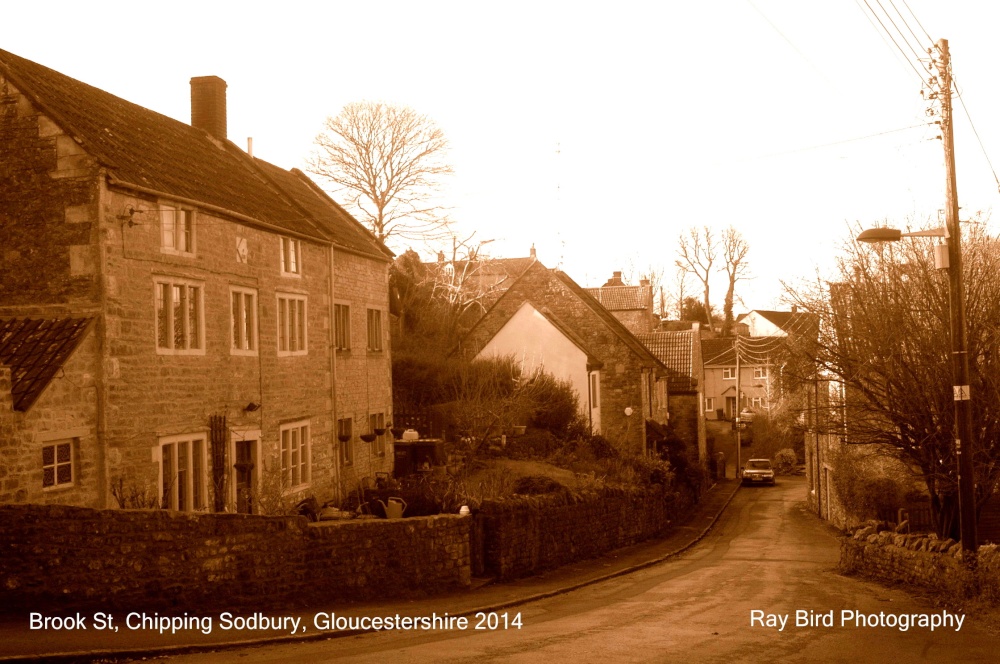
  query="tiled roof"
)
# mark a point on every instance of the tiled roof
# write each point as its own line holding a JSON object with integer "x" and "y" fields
{"x": 616, "y": 326}
{"x": 718, "y": 351}
{"x": 622, "y": 298}
{"x": 754, "y": 351}
{"x": 157, "y": 154}
{"x": 788, "y": 321}
{"x": 343, "y": 229}
{"x": 676, "y": 350}
{"x": 35, "y": 350}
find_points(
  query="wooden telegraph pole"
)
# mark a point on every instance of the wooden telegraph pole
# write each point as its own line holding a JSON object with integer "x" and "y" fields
{"x": 959, "y": 349}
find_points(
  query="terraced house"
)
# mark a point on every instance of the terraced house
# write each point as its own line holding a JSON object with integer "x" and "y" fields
{"x": 180, "y": 323}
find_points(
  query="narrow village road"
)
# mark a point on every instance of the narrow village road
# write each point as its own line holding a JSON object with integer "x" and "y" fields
{"x": 766, "y": 554}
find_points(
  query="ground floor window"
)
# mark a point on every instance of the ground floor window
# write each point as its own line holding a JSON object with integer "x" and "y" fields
{"x": 376, "y": 423}
{"x": 345, "y": 435}
{"x": 57, "y": 464}
{"x": 184, "y": 472}
{"x": 295, "y": 454}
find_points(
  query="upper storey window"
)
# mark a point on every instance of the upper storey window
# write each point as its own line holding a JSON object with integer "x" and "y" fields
{"x": 291, "y": 257}
{"x": 176, "y": 230}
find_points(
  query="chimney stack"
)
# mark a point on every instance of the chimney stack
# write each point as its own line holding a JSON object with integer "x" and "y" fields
{"x": 208, "y": 105}
{"x": 533, "y": 255}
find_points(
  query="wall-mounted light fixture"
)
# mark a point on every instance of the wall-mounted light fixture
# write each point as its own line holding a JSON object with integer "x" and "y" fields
{"x": 251, "y": 407}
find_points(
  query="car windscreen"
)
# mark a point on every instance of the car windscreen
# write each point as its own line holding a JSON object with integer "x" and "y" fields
{"x": 759, "y": 465}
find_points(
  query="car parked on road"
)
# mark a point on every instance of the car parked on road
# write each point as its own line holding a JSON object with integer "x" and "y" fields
{"x": 758, "y": 471}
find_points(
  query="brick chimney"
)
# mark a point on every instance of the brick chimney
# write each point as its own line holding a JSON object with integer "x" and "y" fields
{"x": 208, "y": 105}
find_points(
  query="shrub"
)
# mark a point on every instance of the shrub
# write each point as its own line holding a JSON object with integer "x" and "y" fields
{"x": 868, "y": 496}
{"x": 555, "y": 405}
{"x": 533, "y": 485}
{"x": 533, "y": 444}
{"x": 785, "y": 461}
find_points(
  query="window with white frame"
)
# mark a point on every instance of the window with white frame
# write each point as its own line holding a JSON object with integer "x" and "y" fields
{"x": 243, "y": 312}
{"x": 291, "y": 257}
{"x": 757, "y": 402}
{"x": 595, "y": 389}
{"x": 176, "y": 229}
{"x": 661, "y": 393}
{"x": 729, "y": 373}
{"x": 57, "y": 464}
{"x": 376, "y": 423}
{"x": 342, "y": 325}
{"x": 184, "y": 472}
{"x": 374, "y": 329}
{"x": 179, "y": 316}
{"x": 345, "y": 435}
{"x": 295, "y": 454}
{"x": 709, "y": 404}
{"x": 291, "y": 324}
{"x": 760, "y": 373}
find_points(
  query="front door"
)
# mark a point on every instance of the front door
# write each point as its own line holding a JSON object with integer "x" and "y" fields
{"x": 245, "y": 475}
{"x": 730, "y": 407}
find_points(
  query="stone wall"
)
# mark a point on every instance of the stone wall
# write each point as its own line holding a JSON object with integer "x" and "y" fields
{"x": 48, "y": 200}
{"x": 66, "y": 412}
{"x": 525, "y": 536}
{"x": 57, "y": 556}
{"x": 920, "y": 560}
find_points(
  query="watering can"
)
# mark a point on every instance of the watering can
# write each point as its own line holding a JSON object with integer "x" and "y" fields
{"x": 395, "y": 508}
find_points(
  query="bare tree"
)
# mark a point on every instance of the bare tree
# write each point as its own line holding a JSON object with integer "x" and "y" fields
{"x": 734, "y": 253}
{"x": 696, "y": 252}
{"x": 884, "y": 338}
{"x": 388, "y": 161}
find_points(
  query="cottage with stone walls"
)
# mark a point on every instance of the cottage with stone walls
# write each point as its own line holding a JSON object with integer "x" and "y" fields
{"x": 235, "y": 338}
{"x": 549, "y": 321}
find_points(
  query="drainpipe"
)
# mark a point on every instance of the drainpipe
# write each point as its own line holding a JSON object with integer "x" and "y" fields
{"x": 333, "y": 379}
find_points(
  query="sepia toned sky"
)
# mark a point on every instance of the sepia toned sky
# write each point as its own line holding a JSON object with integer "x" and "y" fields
{"x": 595, "y": 131}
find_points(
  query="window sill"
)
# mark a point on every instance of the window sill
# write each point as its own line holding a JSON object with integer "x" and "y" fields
{"x": 293, "y": 275}
{"x": 59, "y": 487}
{"x": 293, "y": 353}
{"x": 170, "y": 351}
{"x": 242, "y": 353}
{"x": 178, "y": 253}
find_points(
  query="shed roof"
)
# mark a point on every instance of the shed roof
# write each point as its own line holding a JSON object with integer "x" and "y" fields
{"x": 35, "y": 350}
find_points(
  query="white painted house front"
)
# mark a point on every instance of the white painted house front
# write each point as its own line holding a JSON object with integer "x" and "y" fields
{"x": 538, "y": 342}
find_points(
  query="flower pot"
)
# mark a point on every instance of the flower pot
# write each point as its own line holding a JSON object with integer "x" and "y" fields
{"x": 368, "y": 437}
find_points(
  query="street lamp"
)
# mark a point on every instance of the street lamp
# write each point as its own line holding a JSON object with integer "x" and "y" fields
{"x": 960, "y": 364}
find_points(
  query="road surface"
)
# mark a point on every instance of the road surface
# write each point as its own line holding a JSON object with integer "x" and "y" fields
{"x": 722, "y": 601}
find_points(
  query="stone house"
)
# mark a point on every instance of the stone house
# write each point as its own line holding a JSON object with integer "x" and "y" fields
{"x": 235, "y": 346}
{"x": 680, "y": 352}
{"x": 632, "y": 305}
{"x": 546, "y": 320}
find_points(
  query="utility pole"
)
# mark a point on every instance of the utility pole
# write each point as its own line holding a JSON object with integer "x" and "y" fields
{"x": 739, "y": 434}
{"x": 959, "y": 349}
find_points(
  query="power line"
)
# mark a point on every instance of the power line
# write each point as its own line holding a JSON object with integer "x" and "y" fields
{"x": 917, "y": 54}
{"x": 915, "y": 37}
{"x": 929, "y": 38}
{"x": 885, "y": 32}
{"x": 835, "y": 143}
{"x": 976, "y": 132}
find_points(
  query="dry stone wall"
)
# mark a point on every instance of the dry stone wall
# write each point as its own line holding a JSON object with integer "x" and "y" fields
{"x": 57, "y": 556}
{"x": 920, "y": 560}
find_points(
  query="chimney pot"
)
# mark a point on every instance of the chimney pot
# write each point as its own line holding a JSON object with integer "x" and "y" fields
{"x": 208, "y": 105}
{"x": 533, "y": 251}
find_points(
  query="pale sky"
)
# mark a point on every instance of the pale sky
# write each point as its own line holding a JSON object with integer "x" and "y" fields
{"x": 596, "y": 131}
